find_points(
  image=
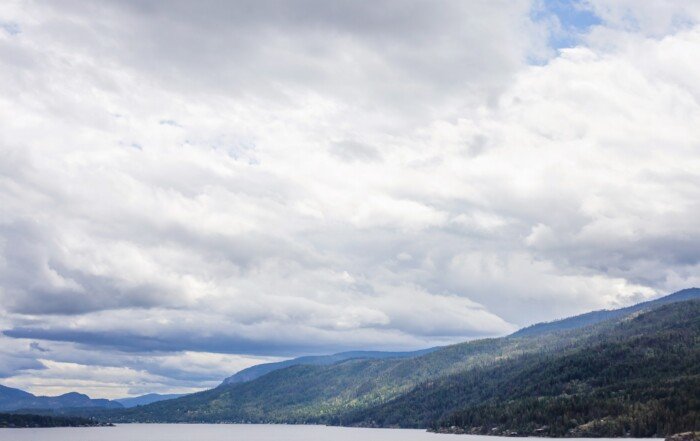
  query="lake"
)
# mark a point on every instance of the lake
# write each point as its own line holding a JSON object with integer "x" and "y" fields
{"x": 230, "y": 432}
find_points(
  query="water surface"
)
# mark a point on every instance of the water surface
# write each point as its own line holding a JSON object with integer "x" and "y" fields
{"x": 232, "y": 432}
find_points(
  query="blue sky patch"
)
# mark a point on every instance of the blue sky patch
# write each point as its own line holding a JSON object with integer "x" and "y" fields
{"x": 574, "y": 16}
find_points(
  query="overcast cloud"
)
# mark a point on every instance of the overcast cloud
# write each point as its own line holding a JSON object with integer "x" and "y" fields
{"x": 189, "y": 188}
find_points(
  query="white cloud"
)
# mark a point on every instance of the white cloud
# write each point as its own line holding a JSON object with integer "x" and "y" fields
{"x": 181, "y": 195}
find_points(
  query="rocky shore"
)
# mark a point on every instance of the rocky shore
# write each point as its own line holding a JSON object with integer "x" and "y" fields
{"x": 685, "y": 436}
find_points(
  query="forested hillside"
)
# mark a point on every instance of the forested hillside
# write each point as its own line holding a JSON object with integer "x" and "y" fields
{"x": 142, "y": 400}
{"x": 593, "y": 317}
{"x": 309, "y": 393}
{"x": 641, "y": 378}
{"x": 259, "y": 370}
{"x": 636, "y": 374}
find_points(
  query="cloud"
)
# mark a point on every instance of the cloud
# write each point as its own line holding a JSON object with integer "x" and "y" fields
{"x": 654, "y": 17}
{"x": 187, "y": 191}
{"x": 66, "y": 367}
{"x": 408, "y": 57}
{"x": 16, "y": 357}
{"x": 348, "y": 150}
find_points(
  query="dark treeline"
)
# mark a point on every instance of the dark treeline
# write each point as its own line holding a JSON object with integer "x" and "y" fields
{"x": 25, "y": 421}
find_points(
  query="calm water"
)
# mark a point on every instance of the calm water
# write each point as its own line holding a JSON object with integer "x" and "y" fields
{"x": 230, "y": 432}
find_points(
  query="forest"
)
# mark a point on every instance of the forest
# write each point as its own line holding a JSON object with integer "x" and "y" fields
{"x": 9, "y": 420}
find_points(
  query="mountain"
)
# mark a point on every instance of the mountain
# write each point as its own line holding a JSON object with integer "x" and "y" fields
{"x": 9, "y": 395}
{"x": 575, "y": 322}
{"x": 146, "y": 399}
{"x": 15, "y": 399}
{"x": 635, "y": 373}
{"x": 259, "y": 370}
{"x": 594, "y": 317}
{"x": 310, "y": 393}
{"x": 640, "y": 377}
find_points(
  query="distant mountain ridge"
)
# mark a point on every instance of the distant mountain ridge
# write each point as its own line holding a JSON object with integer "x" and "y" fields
{"x": 12, "y": 399}
{"x": 259, "y": 370}
{"x": 142, "y": 400}
{"x": 594, "y": 317}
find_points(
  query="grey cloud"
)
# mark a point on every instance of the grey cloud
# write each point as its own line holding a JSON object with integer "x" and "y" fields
{"x": 182, "y": 340}
{"x": 37, "y": 281}
{"x": 406, "y": 56}
{"x": 11, "y": 366}
{"x": 17, "y": 357}
{"x": 146, "y": 369}
{"x": 349, "y": 150}
{"x": 37, "y": 347}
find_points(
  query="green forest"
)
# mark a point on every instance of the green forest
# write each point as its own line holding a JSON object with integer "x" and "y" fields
{"x": 641, "y": 378}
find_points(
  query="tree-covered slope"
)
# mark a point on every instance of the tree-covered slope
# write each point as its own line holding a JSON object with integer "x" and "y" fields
{"x": 259, "y": 370}
{"x": 593, "y": 317}
{"x": 142, "y": 400}
{"x": 311, "y": 393}
{"x": 634, "y": 374}
{"x": 640, "y": 378}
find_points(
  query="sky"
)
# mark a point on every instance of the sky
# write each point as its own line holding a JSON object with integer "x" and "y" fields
{"x": 191, "y": 188}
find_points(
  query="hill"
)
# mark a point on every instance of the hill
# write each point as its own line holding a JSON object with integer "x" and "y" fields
{"x": 259, "y": 370}
{"x": 639, "y": 378}
{"x": 593, "y": 317}
{"x": 142, "y": 400}
{"x": 311, "y": 393}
